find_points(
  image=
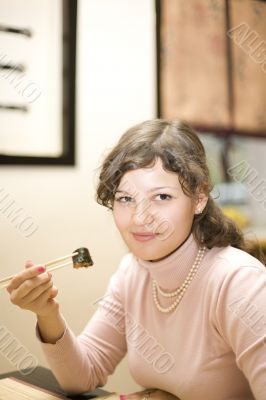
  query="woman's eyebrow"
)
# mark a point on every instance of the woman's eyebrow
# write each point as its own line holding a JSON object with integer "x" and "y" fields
{"x": 162, "y": 187}
{"x": 149, "y": 191}
{"x": 121, "y": 191}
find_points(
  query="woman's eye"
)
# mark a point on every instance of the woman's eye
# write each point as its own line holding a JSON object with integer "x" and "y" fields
{"x": 124, "y": 199}
{"x": 163, "y": 196}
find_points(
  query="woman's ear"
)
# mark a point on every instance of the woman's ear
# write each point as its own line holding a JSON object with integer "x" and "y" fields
{"x": 201, "y": 203}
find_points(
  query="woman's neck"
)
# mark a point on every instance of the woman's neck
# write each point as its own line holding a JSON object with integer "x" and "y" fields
{"x": 178, "y": 247}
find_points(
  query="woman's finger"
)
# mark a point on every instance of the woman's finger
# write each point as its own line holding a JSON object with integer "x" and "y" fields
{"x": 34, "y": 294}
{"x": 29, "y": 273}
{"x": 44, "y": 299}
{"x": 19, "y": 294}
{"x": 29, "y": 263}
{"x": 54, "y": 292}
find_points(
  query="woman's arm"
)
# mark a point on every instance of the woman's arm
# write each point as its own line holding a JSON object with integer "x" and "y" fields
{"x": 241, "y": 320}
{"x": 33, "y": 290}
{"x": 79, "y": 363}
{"x": 51, "y": 327}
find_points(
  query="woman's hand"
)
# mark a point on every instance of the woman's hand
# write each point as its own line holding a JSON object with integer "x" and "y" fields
{"x": 149, "y": 394}
{"x": 33, "y": 289}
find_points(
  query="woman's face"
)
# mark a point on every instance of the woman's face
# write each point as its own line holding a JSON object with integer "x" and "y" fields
{"x": 152, "y": 213}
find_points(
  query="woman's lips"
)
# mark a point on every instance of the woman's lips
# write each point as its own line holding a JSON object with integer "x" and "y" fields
{"x": 144, "y": 237}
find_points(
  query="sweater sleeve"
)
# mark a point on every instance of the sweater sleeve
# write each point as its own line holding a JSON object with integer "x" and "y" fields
{"x": 241, "y": 320}
{"x": 83, "y": 363}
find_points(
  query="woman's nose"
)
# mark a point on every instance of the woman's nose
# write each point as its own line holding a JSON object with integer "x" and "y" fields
{"x": 142, "y": 214}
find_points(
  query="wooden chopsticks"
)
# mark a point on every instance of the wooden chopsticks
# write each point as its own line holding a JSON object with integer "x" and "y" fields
{"x": 4, "y": 282}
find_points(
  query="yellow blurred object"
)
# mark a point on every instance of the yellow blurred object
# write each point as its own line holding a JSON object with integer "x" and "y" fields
{"x": 236, "y": 215}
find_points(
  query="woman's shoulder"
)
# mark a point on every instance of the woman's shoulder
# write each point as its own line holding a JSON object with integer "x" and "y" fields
{"x": 129, "y": 265}
{"x": 237, "y": 257}
{"x": 231, "y": 273}
{"x": 228, "y": 261}
{"x": 128, "y": 273}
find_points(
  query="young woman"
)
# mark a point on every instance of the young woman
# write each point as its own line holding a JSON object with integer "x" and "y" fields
{"x": 187, "y": 304}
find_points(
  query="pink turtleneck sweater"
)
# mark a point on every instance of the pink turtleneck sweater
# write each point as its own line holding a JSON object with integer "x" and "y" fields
{"x": 211, "y": 347}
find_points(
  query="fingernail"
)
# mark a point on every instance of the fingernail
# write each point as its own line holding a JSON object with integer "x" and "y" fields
{"x": 41, "y": 269}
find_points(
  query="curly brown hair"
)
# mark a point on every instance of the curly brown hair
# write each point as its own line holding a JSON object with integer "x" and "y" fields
{"x": 181, "y": 151}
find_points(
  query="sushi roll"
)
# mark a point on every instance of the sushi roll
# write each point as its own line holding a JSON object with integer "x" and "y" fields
{"x": 82, "y": 259}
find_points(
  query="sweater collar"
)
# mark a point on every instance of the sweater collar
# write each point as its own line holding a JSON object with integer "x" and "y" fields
{"x": 171, "y": 272}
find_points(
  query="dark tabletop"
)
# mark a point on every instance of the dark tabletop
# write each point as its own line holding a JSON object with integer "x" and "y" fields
{"x": 44, "y": 378}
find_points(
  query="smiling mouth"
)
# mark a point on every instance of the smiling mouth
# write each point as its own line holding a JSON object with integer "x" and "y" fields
{"x": 144, "y": 236}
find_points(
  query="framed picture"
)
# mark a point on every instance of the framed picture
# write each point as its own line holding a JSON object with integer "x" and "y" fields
{"x": 37, "y": 82}
{"x": 212, "y": 64}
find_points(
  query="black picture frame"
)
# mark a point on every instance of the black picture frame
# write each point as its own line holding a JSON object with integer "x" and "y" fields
{"x": 69, "y": 28}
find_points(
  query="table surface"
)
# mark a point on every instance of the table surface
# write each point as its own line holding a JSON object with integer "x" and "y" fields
{"x": 44, "y": 378}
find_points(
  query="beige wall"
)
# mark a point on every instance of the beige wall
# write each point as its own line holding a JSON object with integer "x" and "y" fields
{"x": 115, "y": 89}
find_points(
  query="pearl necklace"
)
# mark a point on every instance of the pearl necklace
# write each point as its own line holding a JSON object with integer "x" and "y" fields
{"x": 179, "y": 292}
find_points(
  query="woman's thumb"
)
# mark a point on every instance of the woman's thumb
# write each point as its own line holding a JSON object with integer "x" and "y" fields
{"x": 29, "y": 263}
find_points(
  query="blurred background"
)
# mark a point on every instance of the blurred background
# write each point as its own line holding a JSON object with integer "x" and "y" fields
{"x": 72, "y": 80}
